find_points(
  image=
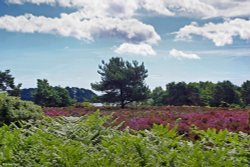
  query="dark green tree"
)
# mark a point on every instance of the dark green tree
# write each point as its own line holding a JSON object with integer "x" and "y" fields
{"x": 48, "y": 96}
{"x": 157, "y": 96}
{"x": 225, "y": 94}
{"x": 62, "y": 97}
{"x": 245, "y": 93}
{"x": 122, "y": 81}
{"x": 206, "y": 90}
{"x": 182, "y": 94}
{"x": 7, "y": 83}
{"x": 193, "y": 95}
{"x": 44, "y": 95}
{"x": 175, "y": 94}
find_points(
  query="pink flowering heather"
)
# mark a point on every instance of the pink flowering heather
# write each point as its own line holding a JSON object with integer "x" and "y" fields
{"x": 184, "y": 117}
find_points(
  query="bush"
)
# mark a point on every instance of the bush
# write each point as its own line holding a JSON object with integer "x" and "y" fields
{"x": 13, "y": 109}
{"x": 87, "y": 105}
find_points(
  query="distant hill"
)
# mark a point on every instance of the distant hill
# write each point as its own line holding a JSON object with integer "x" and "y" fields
{"x": 79, "y": 94}
{"x": 27, "y": 94}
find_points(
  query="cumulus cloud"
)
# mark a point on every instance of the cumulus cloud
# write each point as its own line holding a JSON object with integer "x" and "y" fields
{"x": 182, "y": 55}
{"x": 130, "y": 30}
{"x": 117, "y": 18}
{"x": 157, "y": 6}
{"x": 230, "y": 8}
{"x": 221, "y": 34}
{"x": 191, "y": 8}
{"x": 91, "y": 8}
{"x": 121, "y": 8}
{"x": 139, "y": 49}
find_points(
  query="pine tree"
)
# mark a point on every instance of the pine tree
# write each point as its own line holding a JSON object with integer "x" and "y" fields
{"x": 122, "y": 81}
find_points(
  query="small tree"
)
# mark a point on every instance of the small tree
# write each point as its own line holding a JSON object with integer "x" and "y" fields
{"x": 245, "y": 92}
{"x": 225, "y": 94}
{"x": 49, "y": 96}
{"x": 122, "y": 81}
{"x": 7, "y": 83}
{"x": 182, "y": 94}
{"x": 157, "y": 96}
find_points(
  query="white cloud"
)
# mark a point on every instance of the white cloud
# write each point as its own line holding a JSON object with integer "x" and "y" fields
{"x": 117, "y": 18}
{"x": 191, "y": 8}
{"x": 127, "y": 8}
{"x": 91, "y": 8}
{"x": 221, "y": 34}
{"x": 182, "y": 55}
{"x": 157, "y": 6}
{"x": 139, "y": 49}
{"x": 230, "y": 8}
{"x": 130, "y": 30}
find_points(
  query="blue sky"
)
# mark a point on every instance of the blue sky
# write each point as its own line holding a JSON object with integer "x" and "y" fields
{"x": 65, "y": 40}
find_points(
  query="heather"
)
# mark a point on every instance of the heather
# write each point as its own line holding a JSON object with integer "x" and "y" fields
{"x": 90, "y": 141}
{"x": 234, "y": 120}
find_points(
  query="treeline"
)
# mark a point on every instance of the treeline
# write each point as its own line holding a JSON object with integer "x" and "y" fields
{"x": 78, "y": 94}
{"x": 49, "y": 96}
{"x": 123, "y": 84}
{"x": 221, "y": 94}
{"x": 45, "y": 94}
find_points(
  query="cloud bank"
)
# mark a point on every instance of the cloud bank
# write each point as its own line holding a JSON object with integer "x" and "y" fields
{"x": 119, "y": 18}
{"x": 121, "y": 8}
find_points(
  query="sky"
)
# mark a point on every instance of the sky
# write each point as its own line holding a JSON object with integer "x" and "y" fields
{"x": 64, "y": 41}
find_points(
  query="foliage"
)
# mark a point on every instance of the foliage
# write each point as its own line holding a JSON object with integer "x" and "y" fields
{"x": 122, "y": 81}
{"x": 221, "y": 94}
{"x": 78, "y": 94}
{"x": 28, "y": 94}
{"x": 13, "y": 109}
{"x": 225, "y": 93}
{"x": 46, "y": 95}
{"x": 86, "y": 141}
{"x": 182, "y": 94}
{"x": 7, "y": 83}
{"x": 87, "y": 105}
{"x": 245, "y": 92}
{"x": 206, "y": 90}
{"x": 157, "y": 96}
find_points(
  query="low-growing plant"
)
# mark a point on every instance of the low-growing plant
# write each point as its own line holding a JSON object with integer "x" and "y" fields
{"x": 87, "y": 105}
{"x": 13, "y": 109}
{"x": 85, "y": 141}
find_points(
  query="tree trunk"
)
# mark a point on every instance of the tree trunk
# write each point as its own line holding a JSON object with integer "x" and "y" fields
{"x": 121, "y": 98}
{"x": 122, "y": 104}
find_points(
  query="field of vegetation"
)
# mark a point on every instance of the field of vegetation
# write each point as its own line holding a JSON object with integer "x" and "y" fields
{"x": 151, "y": 136}
{"x": 184, "y": 117}
{"x": 90, "y": 141}
{"x": 195, "y": 124}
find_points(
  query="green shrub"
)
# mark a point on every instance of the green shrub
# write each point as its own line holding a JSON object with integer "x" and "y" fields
{"x": 13, "y": 109}
{"x": 87, "y": 105}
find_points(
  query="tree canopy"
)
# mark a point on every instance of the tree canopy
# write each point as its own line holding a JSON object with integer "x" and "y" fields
{"x": 222, "y": 94}
{"x": 182, "y": 94}
{"x": 245, "y": 92}
{"x": 46, "y": 95}
{"x": 7, "y": 83}
{"x": 225, "y": 93}
{"x": 122, "y": 81}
